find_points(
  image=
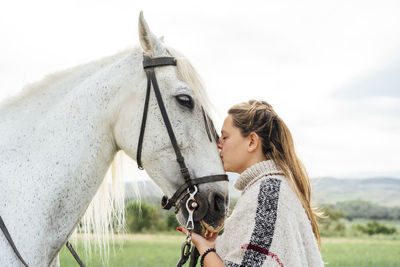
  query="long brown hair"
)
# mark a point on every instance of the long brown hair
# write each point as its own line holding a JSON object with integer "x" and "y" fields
{"x": 277, "y": 144}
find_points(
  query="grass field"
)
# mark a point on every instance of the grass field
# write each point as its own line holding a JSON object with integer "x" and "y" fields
{"x": 164, "y": 250}
{"x": 360, "y": 252}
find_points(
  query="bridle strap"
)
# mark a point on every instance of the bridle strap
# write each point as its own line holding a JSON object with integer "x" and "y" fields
{"x": 8, "y": 237}
{"x": 179, "y": 157}
{"x": 206, "y": 179}
{"x": 206, "y": 125}
{"x": 73, "y": 252}
{"x": 144, "y": 118}
{"x": 149, "y": 64}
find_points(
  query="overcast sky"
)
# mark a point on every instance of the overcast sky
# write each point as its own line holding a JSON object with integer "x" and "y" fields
{"x": 329, "y": 68}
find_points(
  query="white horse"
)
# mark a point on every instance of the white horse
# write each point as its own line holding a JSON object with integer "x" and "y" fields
{"x": 59, "y": 136}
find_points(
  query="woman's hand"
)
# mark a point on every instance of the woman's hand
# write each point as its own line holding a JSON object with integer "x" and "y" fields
{"x": 201, "y": 243}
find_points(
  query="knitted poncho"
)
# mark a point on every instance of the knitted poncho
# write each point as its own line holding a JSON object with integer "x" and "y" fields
{"x": 268, "y": 226}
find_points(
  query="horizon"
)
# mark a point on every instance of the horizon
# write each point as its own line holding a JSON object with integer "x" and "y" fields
{"x": 311, "y": 178}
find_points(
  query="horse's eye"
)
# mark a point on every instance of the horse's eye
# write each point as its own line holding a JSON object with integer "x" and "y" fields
{"x": 185, "y": 100}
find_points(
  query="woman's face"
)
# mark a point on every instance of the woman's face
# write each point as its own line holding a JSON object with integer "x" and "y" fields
{"x": 233, "y": 147}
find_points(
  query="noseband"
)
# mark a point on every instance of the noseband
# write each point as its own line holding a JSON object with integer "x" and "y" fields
{"x": 149, "y": 64}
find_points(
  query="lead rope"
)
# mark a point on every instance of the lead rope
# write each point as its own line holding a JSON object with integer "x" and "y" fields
{"x": 194, "y": 257}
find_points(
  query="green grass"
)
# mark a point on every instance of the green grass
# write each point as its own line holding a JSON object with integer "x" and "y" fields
{"x": 137, "y": 251}
{"x": 164, "y": 250}
{"x": 360, "y": 252}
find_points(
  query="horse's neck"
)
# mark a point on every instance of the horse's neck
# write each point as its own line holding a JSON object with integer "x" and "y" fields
{"x": 54, "y": 166}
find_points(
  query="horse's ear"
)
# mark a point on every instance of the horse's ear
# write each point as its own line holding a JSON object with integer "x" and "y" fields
{"x": 146, "y": 37}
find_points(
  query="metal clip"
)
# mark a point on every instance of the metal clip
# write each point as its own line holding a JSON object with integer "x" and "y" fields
{"x": 190, "y": 223}
{"x": 186, "y": 246}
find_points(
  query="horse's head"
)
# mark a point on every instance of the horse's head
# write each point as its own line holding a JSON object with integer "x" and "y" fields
{"x": 186, "y": 108}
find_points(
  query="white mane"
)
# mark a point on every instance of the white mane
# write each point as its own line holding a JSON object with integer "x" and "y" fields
{"x": 188, "y": 74}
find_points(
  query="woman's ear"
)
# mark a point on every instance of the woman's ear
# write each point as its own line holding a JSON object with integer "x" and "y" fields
{"x": 254, "y": 142}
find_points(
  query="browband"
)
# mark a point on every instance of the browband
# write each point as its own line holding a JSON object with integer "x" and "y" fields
{"x": 149, "y": 62}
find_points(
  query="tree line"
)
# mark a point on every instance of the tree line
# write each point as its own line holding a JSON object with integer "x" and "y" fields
{"x": 149, "y": 217}
{"x": 335, "y": 219}
{"x": 361, "y": 209}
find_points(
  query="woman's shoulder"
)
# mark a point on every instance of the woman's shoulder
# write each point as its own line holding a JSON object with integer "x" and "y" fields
{"x": 265, "y": 193}
{"x": 273, "y": 188}
{"x": 265, "y": 181}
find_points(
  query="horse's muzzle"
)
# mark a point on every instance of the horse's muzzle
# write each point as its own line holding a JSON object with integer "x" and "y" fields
{"x": 211, "y": 210}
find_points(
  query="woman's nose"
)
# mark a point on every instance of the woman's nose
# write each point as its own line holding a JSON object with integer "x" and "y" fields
{"x": 219, "y": 144}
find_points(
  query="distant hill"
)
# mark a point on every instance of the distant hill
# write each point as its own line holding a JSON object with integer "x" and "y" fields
{"x": 147, "y": 189}
{"x": 383, "y": 191}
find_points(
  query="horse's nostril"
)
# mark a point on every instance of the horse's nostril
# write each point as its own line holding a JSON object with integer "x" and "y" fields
{"x": 218, "y": 203}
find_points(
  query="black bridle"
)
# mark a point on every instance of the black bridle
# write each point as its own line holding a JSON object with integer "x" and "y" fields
{"x": 148, "y": 65}
{"x": 166, "y": 203}
{"x": 192, "y": 204}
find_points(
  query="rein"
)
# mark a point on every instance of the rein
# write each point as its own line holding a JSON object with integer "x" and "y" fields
{"x": 10, "y": 240}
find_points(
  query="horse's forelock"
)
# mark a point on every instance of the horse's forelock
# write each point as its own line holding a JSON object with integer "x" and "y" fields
{"x": 189, "y": 75}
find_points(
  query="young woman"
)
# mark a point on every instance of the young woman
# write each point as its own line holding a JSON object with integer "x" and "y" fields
{"x": 273, "y": 223}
